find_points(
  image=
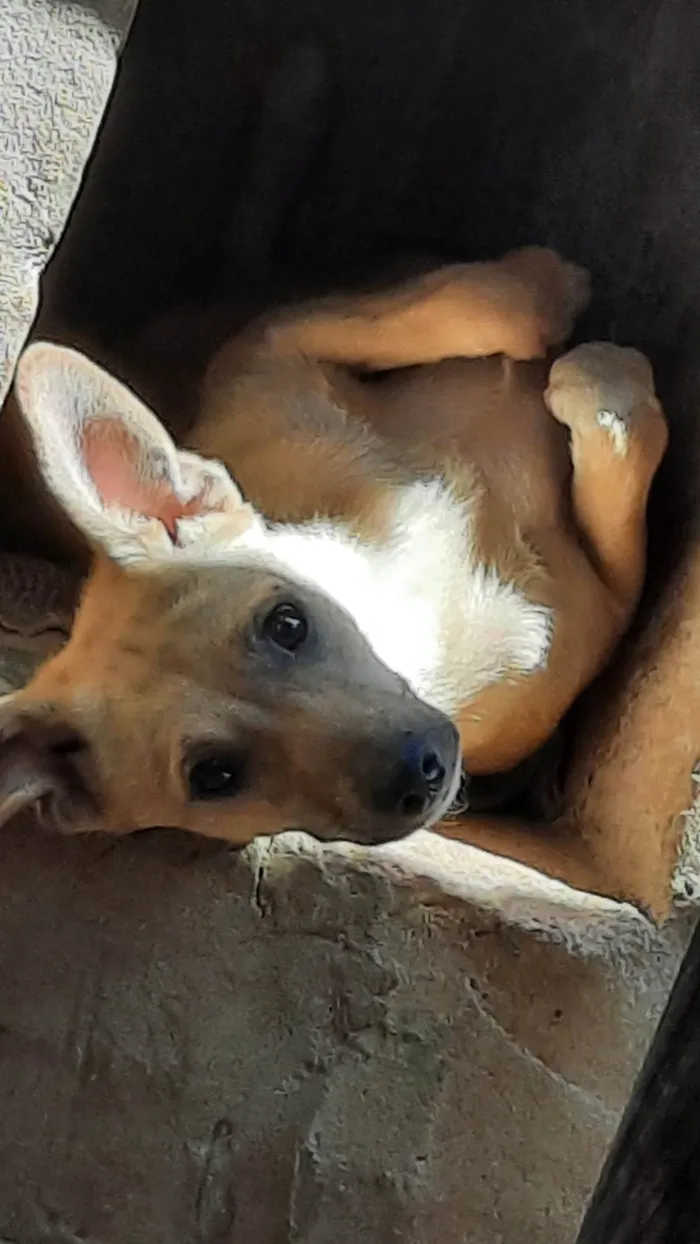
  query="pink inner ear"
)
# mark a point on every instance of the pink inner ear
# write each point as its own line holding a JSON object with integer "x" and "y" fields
{"x": 119, "y": 466}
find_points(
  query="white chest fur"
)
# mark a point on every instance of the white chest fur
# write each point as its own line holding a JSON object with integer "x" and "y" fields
{"x": 429, "y": 609}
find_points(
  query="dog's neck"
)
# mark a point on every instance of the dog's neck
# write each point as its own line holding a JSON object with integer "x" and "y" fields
{"x": 430, "y": 607}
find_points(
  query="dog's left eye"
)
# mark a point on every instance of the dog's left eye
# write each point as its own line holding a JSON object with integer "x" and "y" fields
{"x": 219, "y": 776}
{"x": 286, "y": 626}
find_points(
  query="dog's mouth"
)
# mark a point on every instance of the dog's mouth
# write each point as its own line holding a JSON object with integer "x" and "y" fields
{"x": 532, "y": 789}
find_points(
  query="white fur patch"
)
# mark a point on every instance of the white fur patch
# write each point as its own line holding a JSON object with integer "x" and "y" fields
{"x": 418, "y": 594}
{"x": 617, "y": 430}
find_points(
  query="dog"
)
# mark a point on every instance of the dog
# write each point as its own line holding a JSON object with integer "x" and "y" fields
{"x": 400, "y": 542}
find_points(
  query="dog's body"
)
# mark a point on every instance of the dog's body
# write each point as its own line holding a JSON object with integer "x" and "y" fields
{"x": 470, "y": 520}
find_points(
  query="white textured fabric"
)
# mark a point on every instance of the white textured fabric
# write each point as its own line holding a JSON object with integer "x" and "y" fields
{"x": 57, "y": 65}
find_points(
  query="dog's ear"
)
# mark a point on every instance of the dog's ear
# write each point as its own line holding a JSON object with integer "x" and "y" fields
{"x": 111, "y": 466}
{"x": 44, "y": 767}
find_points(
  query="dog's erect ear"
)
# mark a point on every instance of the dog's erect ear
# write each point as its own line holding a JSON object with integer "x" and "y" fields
{"x": 44, "y": 768}
{"x": 114, "y": 470}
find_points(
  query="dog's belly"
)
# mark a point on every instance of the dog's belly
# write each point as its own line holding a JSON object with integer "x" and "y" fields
{"x": 486, "y": 412}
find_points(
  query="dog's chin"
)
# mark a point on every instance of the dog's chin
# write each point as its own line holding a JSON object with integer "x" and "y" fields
{"x": 453, "y": 803}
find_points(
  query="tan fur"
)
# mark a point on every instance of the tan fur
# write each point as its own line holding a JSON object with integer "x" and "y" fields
{"x": 298, "y": 409}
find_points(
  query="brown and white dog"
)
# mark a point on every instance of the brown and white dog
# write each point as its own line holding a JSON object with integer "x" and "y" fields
{"x": 397, "y": 547}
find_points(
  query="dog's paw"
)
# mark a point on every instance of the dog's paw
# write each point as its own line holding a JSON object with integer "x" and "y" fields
{"x": 598, "y": 378}
{"x": 555, "y": 293}
{"x": 606, "y": 387}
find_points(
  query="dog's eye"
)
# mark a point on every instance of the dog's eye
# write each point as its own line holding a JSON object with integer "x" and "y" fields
{"x": 218, "y": 776}
{"x": 286, "y": 627}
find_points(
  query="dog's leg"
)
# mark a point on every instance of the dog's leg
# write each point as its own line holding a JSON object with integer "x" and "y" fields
{"x": 520, "y": 305}
{"x": 605, "y": 395}
{"x": 556, "y": 854}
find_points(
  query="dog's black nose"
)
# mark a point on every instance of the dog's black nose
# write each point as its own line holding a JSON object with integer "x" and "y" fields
{"x": 422, "y": 777}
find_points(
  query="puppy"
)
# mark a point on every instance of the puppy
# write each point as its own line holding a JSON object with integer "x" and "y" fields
{"x": 398, "y": 545}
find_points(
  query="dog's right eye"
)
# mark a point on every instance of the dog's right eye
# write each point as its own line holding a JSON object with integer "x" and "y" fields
{"x": 286, "y": 626}
{"x": 219, "y": 776}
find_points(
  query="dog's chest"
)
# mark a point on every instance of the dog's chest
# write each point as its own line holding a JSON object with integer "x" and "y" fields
{"x": 431, "y": 610}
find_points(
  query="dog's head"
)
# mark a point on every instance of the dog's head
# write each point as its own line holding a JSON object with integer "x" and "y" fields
{"x": 202, "y": 687}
